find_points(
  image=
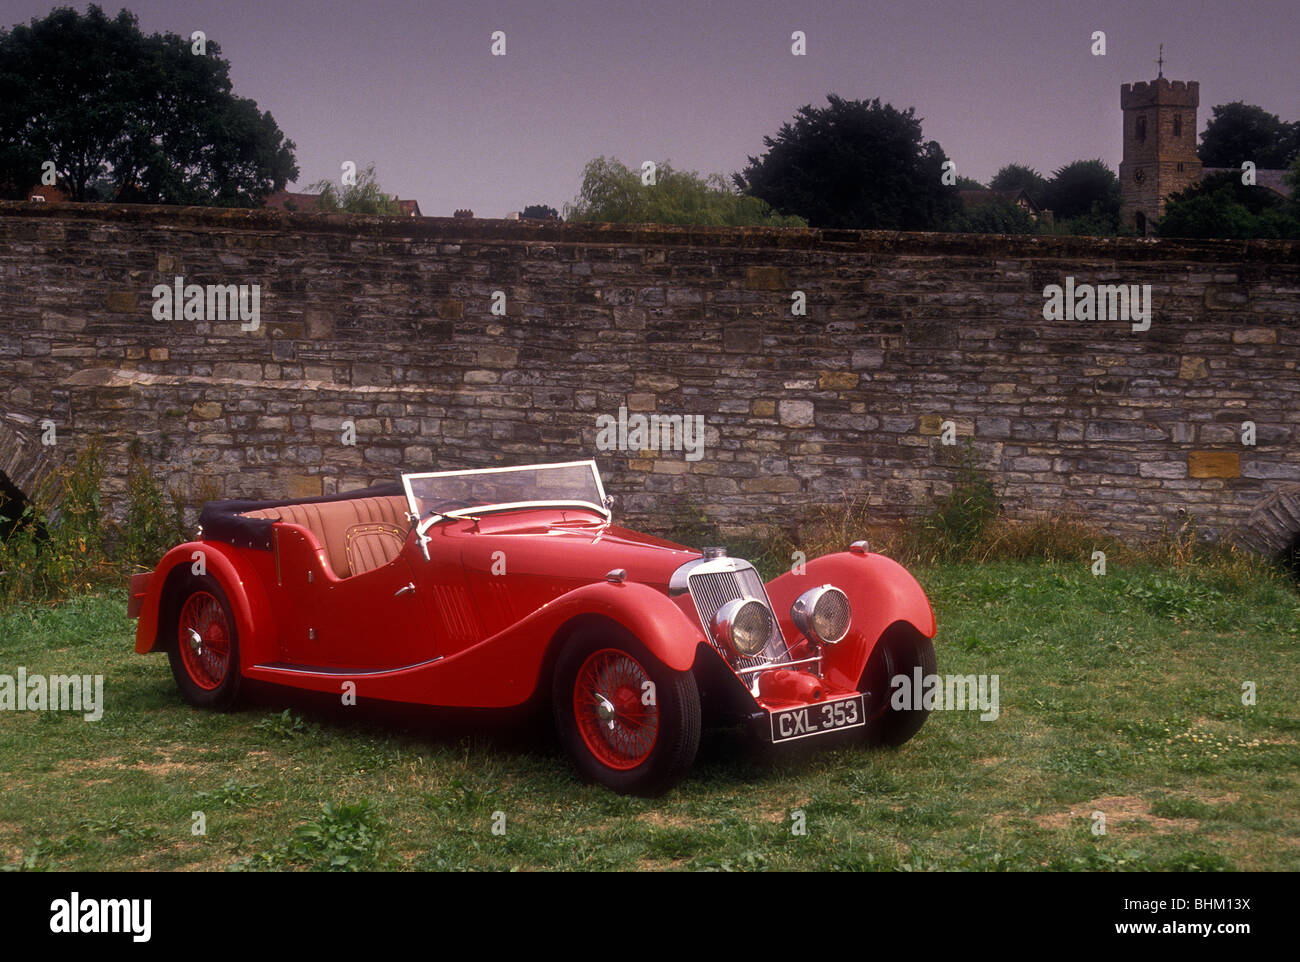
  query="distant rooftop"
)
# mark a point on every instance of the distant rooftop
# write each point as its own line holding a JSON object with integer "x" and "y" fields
{"x": 1272, "y": 179}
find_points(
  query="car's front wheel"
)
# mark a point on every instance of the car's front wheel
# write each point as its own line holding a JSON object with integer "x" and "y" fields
{"x": 892, "y": 721}
{"x": 625, "y": 719}
{"x": 204, "y": 644}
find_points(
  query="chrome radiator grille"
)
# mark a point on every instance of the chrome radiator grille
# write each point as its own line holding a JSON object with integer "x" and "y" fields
{"x": 710, "y": 590}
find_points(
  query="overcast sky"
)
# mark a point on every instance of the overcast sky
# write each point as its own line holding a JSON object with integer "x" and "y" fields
{"x": 413, "y": 87}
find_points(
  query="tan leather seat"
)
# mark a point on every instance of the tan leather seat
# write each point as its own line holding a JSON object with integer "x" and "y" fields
{"x": 357, "y": 535}
{"x": 372, "y": 545}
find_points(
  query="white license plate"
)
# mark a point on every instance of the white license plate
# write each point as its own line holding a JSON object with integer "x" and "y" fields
{"x": 818, "y": 718}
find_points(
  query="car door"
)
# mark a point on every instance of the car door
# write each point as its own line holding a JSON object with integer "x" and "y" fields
{"x": 374, "y": 621}
{"x": 377, "y": 620}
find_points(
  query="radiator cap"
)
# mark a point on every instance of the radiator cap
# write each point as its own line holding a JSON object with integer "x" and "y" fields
{"x": 714, "y": 552}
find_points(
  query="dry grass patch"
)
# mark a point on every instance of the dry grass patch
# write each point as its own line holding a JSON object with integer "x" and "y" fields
{"x": 1119, "y": 810}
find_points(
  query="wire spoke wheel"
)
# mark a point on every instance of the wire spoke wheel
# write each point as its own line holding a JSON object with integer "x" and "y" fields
{"x": 204, "y": 647}
{"x": 204, "y": 640}
{"x": 610, "y": 704}
{"x": 625, "y": 719}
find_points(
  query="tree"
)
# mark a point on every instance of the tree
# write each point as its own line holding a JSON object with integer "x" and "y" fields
{"x": 854, "y": 164}
{"x": 1222, "y": 206}
{"x": 613, "y": 193}
{"x": 1238, "y": 132}
{"x": 968, "y": 183}
{"x": 1022, "y": 177}
{"x": 540, "y": 212}
{"x": 131, "y": 117}
{"x": 1086, "y": 193}
{"x": 363, "y": 197}
{"x": 998, "y": 216}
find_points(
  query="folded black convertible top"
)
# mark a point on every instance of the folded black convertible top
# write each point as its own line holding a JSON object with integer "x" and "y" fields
{"x": 222, "y": 520}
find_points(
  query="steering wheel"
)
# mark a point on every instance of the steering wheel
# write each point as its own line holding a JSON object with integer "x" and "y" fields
{"x": 448, "y": 503}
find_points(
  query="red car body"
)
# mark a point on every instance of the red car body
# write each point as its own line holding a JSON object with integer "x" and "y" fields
{"x": 378, "y": 593}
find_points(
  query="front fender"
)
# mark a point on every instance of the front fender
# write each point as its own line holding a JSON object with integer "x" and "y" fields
{"x": 505, "y": 669}
{"x": 254, "y": 619}
{"x": 882, "y": 593}
{"x": 648, "y": 614}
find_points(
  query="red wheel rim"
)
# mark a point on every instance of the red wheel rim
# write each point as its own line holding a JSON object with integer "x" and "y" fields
{"x": 204, "y": 640}
{"x": 615, "y": 724}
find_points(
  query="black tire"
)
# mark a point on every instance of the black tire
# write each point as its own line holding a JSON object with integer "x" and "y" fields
{"x": 900, "y": 652}
{"x": 188, "y": 672}
{"x": 676, "y": 710}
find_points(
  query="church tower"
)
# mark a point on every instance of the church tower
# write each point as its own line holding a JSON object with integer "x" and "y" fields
{"x": 1159, "y": 147}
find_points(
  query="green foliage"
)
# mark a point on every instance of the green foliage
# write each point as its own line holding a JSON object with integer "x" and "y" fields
{"x": 345, "y": 838}
{"x": 229, "y": 795}
{"x": 463, "y": 795}
{"x": 1084, "y": 196}
{"x": 994, "y": 217}
{"x": 155, "y": 522}
{"x": 1238, "y": 132}
{"x": 118, "y": 825}
{"x": 58, "y": 546}
{"x": 130, "y": 117}
{"x": 613, "y": 193}
{"x": 1022, "y": 177}
{"x": 1222, "y": 206}
{"x": 363, "y": 197}
{"x": 1182, "y": 808}
{"x": 956, "y": 526}
{"x": 285, "y": 725}
{"x": 853, "y": 164}
{"x": 62, "y": 544}
{"x": 749, "y": 860}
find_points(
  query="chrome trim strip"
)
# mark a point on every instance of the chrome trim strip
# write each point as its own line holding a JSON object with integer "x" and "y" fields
{"x": 346, "y": 672}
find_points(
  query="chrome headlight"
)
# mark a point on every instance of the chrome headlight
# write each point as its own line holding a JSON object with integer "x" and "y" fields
{"x": 743, "y": 626}
{"x": 822, "y": 613}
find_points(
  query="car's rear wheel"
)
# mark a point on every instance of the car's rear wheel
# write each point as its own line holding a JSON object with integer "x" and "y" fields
{"x": 900, "y": 652}
{"x": 204, "y": 644}
{"x": 625, "y": 719}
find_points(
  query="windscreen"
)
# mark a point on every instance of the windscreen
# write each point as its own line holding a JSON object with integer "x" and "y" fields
{"x": 469, "y": 492}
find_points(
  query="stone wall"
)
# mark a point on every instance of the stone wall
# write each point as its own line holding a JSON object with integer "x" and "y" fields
{"x": 909, "y": 340}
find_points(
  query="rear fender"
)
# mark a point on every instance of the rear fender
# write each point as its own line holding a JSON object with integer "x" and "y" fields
{"x": 254, "y": 619}
{"x": 881, "y": 592}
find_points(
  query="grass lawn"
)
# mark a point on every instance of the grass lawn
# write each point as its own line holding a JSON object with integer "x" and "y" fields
{"x": 1120, "y": 694}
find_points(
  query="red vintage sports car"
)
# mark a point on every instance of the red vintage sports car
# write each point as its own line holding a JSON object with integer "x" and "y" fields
{"x": 505, "y": 586}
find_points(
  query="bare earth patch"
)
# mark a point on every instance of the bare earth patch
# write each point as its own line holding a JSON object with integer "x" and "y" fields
{"x": 10, "y": 851}
{"x": 69, "y": 765}
{"x": 659, "y": 819}
{"x": 657, "y": 865}
{"x": 1119, "y": 810}
{"x": 774, "y": 811}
